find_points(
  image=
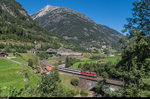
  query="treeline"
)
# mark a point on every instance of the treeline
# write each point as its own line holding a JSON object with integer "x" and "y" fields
{"x": 11, "y": 48}
{"x": 43, "y": 55}
{"x": 70, "y": 61}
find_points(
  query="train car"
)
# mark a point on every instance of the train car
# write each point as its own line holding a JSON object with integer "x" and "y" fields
{"x": 91, "y": 74}
{"x": 73, "y": 71}
{"x": 70, "y": 70}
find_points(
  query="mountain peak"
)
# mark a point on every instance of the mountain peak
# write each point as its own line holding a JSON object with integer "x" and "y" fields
{"x": 45, "y": 10}
{"x": 49, "y": 7}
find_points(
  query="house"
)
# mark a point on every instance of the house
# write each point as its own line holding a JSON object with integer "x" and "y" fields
{"x": 49, "y": 68}
{"x": 51, "y": 51}
{"x": 3, "y": 54}
{"x": 34, "y": 52}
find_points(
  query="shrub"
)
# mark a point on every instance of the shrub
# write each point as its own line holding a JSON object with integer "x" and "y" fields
{"x": 83, "y": 92}
{"x": 30, "y": 62}
{"x": 26, "y": 75}
{"x": 105, "y": 75}
{"x": 75, "y": 81}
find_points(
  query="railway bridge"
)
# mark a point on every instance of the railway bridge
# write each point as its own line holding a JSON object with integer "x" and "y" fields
{"x": 90, "y": 82}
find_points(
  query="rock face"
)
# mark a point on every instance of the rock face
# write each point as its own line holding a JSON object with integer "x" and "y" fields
{"x": 5, "y": 8}
{"x": 8, "y": 8}
{"x": 75, "y": 27}
{"x": 44, "y": 11}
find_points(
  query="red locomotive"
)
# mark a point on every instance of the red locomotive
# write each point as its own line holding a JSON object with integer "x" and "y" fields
{"x": 93, "y": 74}
{"x": 84, "y": 73}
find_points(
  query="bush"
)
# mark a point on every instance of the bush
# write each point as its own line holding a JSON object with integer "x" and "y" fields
{"x": 43, "y": 55}
{"x": 70, "y": 61}
{"x": 83, "y": 93}
{"x": 105, "y": 75}
{"x": 75, "y": 81}
{"x": 30, "y": 62}
{"x": 26, "y": 75}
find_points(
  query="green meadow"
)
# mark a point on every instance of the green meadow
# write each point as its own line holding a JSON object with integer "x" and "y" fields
{"x": 19, "y": 60}
{"x": 9, "y": 75}
{"x": 87, "y": 60}
{"x": 24, "y": 57}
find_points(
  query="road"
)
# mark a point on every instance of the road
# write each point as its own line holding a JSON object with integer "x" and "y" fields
{"x": 10, "y": 58}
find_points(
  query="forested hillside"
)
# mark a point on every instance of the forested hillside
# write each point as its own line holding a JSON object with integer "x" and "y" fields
{"x": 18, "y": 29}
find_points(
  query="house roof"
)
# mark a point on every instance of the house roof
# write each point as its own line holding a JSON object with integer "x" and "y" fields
{"x": 49, "y": 68}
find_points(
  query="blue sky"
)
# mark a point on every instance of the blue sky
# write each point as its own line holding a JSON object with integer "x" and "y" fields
{"x": 112, "y": 13}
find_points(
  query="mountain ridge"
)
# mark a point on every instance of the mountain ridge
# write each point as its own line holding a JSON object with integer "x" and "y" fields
{"x": 75, "y": 27}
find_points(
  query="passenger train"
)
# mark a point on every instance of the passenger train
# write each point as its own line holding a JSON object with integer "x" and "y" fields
{"x": 84, "y": 73}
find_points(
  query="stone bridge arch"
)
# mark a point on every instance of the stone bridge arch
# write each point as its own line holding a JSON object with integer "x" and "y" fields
{"x": 86, "y": 83}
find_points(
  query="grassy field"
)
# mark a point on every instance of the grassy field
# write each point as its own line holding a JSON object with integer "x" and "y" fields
{"x": 9, "y": 75}
{"x": 23, "y": 58}
{"x": 66, "y": 79}
{"x": 19, "y": 60}
{"x": 26, "y": 56}
{"x": 112, "y": 59}
{"x": 33, "y": 79}
{"x": 86, "y": 60}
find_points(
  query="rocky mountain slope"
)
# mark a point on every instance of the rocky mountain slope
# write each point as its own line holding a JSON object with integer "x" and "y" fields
{"x": 75, "y": 27}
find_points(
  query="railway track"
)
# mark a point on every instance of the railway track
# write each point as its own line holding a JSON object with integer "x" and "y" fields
{"x": 97, "y": 79}
{"x": 92, "y": 76}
